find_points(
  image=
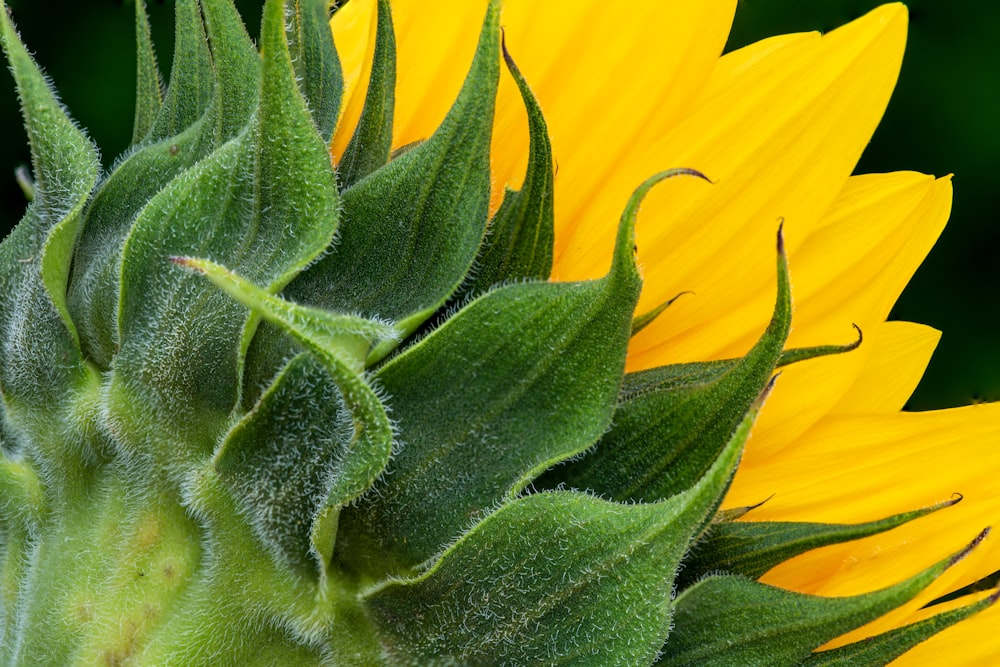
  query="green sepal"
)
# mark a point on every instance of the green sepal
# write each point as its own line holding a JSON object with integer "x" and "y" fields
{"x": 727, "y": 620}
{"x": 796, "y": 355}
{"x": 40, "y": 359}
{"x": 148, "y": 82}
{"x": 142, "y": 174}
{"x": 22, "y": 496}
{"x": 671, "y": 422}
{"x": 340, "y": 343}
{"x": 640, "y": 322}
{"x": 882, "y": 649}
{"x": 280, "y": 459}
{"x": 191, "y": 86}
{"x": 522, "y": 378}
{"x": 520, "y": 239}
{"x": 235, "y": 69}
{"x": 317, "y": 65}
{"x": 272, "y": 190}
{"x": 411, "y": 229}
{"x": 554, "y": 578}
{"x": 751, "y": 548}
{"x": 93, "y": 290}
{"x": 372, "y": 139}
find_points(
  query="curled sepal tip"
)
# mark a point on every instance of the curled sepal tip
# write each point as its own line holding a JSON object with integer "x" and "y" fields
{"x": 625, "y": 247}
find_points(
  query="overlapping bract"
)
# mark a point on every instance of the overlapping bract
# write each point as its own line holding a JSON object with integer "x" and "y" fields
{"x": 381, "y": 436}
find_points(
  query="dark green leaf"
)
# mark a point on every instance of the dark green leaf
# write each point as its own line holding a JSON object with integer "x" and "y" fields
{"x": 280, "y": 459}
{"x": 522, "y": 378}
{"x": 412, "y": 228}
{"x": 671, "y": 422}
{"x": 883, "y": 649}
{"x": 556, "y": 578}
{"x": 317, "y": 65}
{"x": 726, "y": 620}
{"x": 372, "y": 139}
{"x": 751, "y": 548}
{"x": 265, "y": 203}
{"x": 148, "y": 84}
{"x": 520, "y": 238}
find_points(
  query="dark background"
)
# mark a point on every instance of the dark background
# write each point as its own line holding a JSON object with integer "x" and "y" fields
{"x": 943, "y": 119}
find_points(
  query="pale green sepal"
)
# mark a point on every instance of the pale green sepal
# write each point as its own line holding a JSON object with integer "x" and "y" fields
{"x": 317, "y": 65}
{"x": 22, "y": 496}
{"x": 672, "y": 421}
{"x": 40, "y": 360}
{"x": 372, "y": 139}
{"x": 554, "y": 578}
{"x": 751, "y": 548}
{"x": 235, "y": 67}
{"x": 191, "y": 76}
{"x": 148, "y": 82}
{"x": 340, "y": 343}
{"x": 280, "y": 460}
{"x": 522, "y": 378}
{"x": 882, "y": 649}
{"x": 520, "y": 239}
{"x": 412, "y": 228}
{"x": 726, "y": 620}
{"x": 265, "y": 203}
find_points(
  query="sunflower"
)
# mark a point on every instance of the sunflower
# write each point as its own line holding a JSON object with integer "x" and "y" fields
{"x": 778, "y": 126}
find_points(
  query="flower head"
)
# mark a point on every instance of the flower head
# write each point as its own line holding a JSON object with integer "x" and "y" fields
{"x": 778, "y": 126}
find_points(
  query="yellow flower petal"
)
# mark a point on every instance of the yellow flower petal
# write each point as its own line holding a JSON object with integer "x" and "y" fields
{"x": 897, "y": 362}
{"x": 851, "y": 269}
{"x": 780, "y": 138}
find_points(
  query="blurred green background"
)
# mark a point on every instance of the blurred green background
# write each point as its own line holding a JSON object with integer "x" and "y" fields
{"x": 943, "y": 119}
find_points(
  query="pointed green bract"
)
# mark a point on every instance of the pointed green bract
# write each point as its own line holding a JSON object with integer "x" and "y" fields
{"x": 797, "y": 355}
{"x": 41, "y": 368}
{"x": 235, "y": 68}
{"x": 529, "y": 375}
{"x": 191, "y": 78}
{"x": 94, "y": 291}
{"x": 317, "y": 65}
{"x": 271, "y": 189}
{"x": 148, "y": 84}
{"x": 412, "y": 228}
{"x": 671, "y": 422}
{"x": 498, "y": 597}
{"x": 372, "y": 139}
{"x": 882, "y": 649}
{"x": 339, "y": 343}
{"x": 521, "y": 234}
{"x": 726, "y": 620}
{"x": 750, "y": 548}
